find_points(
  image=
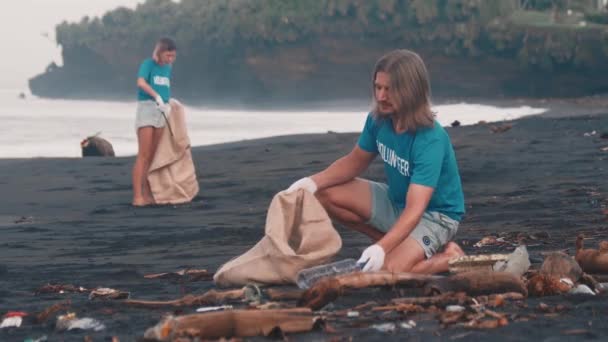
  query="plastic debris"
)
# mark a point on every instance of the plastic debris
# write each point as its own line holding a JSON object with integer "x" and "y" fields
{"x": 590, "y": 134}
{"x": 214, "y": 308}
{"x": 582, "y": 289}
{"x": 352, "y": 314}
{"x": 454, "y": 308}
{"x": 9, "y": 322}
{"x": 307, "y": 277}
{"x": 408, "y": 325}
{"x": 43, "y": 338}
{"x": 517, "y": 263}
{"x": 71, "y": 322}
{"x": 108, "y": 293}
{"x": 385, "y": 327}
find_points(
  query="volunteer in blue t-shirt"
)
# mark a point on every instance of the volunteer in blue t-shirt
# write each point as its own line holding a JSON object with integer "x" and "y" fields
{"x": 153, "y": 94}
{"x": 415, "y": 215}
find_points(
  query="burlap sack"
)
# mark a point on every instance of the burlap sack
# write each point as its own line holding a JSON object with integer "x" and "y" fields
{"x": 299, "y": 234}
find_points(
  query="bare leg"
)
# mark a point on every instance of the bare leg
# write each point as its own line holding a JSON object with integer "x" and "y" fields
{"x": 350, "y": 204}
{"x": 145, "y": 136}
{"x": 439, "y": 262}
{"x": 147, "y": 192}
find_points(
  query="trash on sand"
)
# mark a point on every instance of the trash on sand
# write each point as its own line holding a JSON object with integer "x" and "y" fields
{"x": 385, "y": 327}
{"x": 500, "y": 128}
{"x": 560, "y": 265}
{"x": 408, "y": 325}
{"x": 589, "y": 134}
{"x": 214, "y": 308}
{"x": 517, "y": 262}
{"x": 483, "y": 262}
{"x": 14, "y": 321}
{"x": 193, "y": 275}
{"x": 307, "y": 277}
{"x": 592, "y": 260}
{"x": 233, "y": 323}
{"x": 582, "y": 289}
{"x": 108, "y": 293}
{"x": 490, "y": 241}
{"x": 454, "y": 308}
{"x": 352, "y": 314}
{"x": 70, "y": 322}
{"x": 43, "y": 338}
{"x": 51, "y": 288}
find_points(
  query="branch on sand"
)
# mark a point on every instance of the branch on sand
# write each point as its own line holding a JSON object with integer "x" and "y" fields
{"x": 329, "y": 289}
{"x": 477, "y": 283}
{"x": 248, "y": 293}
{"x": 228, "y": 324}
{"x": 592, "y": 260}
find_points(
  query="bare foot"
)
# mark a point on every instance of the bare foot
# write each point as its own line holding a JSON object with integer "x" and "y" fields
{"x": 453, "y": 250}
{"x": 140, "y": 202}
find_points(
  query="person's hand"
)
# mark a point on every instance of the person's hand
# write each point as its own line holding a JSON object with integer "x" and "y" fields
{"x": 373, "y": 258}
{"x": 165, "y": 108}
{"x": 305, "y": 183}
{"x": 159, "y": 101}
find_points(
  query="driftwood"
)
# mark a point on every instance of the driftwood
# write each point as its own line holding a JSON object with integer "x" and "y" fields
{"x": 559, "y": 265}
{"x": 329, "y": 289}
{"x": 592, "y": 260}
{"x": 546, "y": 285}
{"x": 211, "y": 297}
{"x": 477, "y": 283}
{"x": 189, "y": 274}
{"x": 458, "y": 298}
{"x": 228, "y": 324}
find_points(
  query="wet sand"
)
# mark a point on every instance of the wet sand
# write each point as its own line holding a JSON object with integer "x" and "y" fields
{"x": 68, "y": 221}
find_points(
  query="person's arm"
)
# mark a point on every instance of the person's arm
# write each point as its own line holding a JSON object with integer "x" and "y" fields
{"x": 417, "y": 199}
{"x": 141, "y": 82}
{"x": 344, "y": 169}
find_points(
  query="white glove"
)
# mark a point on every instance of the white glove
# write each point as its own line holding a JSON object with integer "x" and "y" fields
{"x": 159, "y": 101}
{"x": 305, "y": 183}
{"x": 373, "y": 258}
{"x": 165, "y": 108}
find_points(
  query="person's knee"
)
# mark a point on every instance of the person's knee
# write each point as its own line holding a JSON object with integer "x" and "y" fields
{"x": 326, "y": 197}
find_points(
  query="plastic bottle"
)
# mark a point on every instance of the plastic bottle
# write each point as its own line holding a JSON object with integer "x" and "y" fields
{"x": 307, "y": 277}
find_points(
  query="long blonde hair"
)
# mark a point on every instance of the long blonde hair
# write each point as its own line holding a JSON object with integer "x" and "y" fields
{"x": 410, "y": 90}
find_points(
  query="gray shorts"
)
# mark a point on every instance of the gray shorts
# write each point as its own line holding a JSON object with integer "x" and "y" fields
{"x": 432, "y": 232}
{"x": 148, "y": 114}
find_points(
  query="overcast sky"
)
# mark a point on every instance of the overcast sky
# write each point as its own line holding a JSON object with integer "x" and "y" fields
{"x": 26, "y": 52}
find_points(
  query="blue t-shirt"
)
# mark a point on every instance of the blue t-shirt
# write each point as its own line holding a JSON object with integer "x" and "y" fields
{"x": 158, "y": 77}
{"x": 425, "y": 158}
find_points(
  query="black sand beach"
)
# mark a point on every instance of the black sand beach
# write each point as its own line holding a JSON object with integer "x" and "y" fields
{"x": 69, "y": 221}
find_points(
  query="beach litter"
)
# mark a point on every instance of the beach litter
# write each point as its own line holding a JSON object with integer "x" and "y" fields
{"x": 69, "y": 321}
{"x": 592, "y": 260}
{"x": 232, "y": 323}
{"x": 108, "y": 293}
{"x": 190, "y": 274}
{"x": 215, "y": 308}
{"x": 12, "y": 319}
{"x": 61, "y": 289}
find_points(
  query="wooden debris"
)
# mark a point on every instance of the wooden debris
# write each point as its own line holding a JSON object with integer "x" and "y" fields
{"x": 329, "y": 289}
{"x": 591, "y": 260}
{"x": 546, "y": 285}
{"x": 477, "y": 283}
{"x": 211, "y": 297}
{"x": 467, "y": 263}
{"x": 50, "y": 288}
{"x": 501, "y": 128}
{"x": 107, "y": 293}
{"x": 190, "y": 274}
{"x": 234, "y": 323}
{"x": 444, "y": 299}
{"x": 46, "y": 313}
{"x": 277, "y": 294}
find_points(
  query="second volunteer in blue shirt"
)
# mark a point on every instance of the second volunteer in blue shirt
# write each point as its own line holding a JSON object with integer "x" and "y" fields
{"x": 415, "y": 215}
